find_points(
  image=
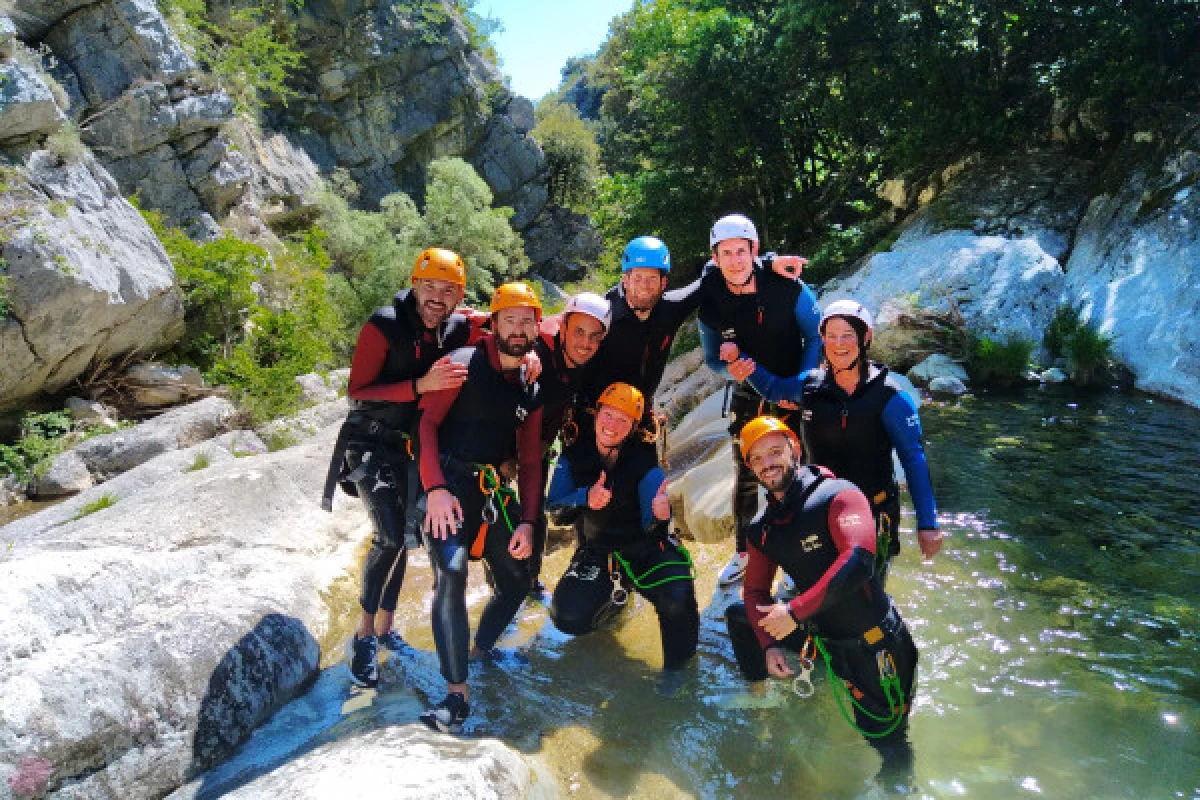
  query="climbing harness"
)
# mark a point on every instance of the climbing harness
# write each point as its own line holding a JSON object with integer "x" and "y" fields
{"x": 490, "y": 486}
{"x": 889, "y": 681}
{"x": 643, "y": 581}
{"x": 802, "y": 684}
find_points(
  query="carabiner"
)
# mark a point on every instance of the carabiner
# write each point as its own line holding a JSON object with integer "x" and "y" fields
{"x": 490, "y": 513}
{"x": 620, "y": 595}
{"x": 802, "y": 684}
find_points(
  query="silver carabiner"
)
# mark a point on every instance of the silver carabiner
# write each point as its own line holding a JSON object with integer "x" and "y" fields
{"x": 490, "y": 513}
{"x": 802, "y": 684}
{"x": 620, "y": 595}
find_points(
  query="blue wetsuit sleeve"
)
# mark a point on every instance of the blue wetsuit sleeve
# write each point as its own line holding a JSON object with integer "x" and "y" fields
{"x": 808, "y": 317}
{"x": 647, "y": 489}
{"x": 772, "y": 388}
{"x": 563, "y": 492}
{"x": 710, "y": 340}
{"x": 903, "y": 425}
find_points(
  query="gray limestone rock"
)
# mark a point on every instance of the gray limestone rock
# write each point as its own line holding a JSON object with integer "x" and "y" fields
{"x": 89, "y": 279}
{"x": 112, "y": 44}
{"x": 27, "y": 106}
{"x": 304, "y": 424}
{"x": 197, "y": 598}
{"x": 316, "y": 389}
{"x": 947, "y": 385}
{"x": 121, "y": 451}
{"x": 90, "y": 412}
{"x": 936, "y": 366}
{"x": 1133, "y": 272}
{"x": 562, "y": 245}
{"x": 411, "y": 761}
{"x": 1053, "y": 375}
{"x": 66, "y": 475}
{"x": 8, "y": 38}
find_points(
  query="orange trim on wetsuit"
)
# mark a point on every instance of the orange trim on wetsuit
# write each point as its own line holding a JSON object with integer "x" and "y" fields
{"x": 852, "y": 529}
{"x": 435, "y": 406}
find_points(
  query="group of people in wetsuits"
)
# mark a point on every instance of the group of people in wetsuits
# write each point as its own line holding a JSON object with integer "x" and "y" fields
{"x": 450, "y": 407}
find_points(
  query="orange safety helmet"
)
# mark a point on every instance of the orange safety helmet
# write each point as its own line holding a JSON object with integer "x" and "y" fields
{"x": 438, "y": 264}
{"x": 759, "y": 427}
{"x": 624, "y": 398}
{"x": 516, "y": 295}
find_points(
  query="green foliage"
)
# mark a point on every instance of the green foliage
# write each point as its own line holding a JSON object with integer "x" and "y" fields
{"x": 217, "y": 279}
{"x": 42, "y": 437}
{"x": 99, "y": 504}
{"x": 372, "y": 253}
{"x": 572, "y": 155}
{"x": 999, "y": 363}
{"x": 793, "y": 111}
{"x": 201, "y": 461}
{"x": 66, "y": 145}
{"x": 251, "y": 50}
{"x": 1059, "y": 331}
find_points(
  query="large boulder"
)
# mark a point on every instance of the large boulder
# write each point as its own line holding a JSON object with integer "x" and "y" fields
{"x": 562, "y": 245}
{"x": 89, "y": 280}
{"x": 194, "y": 601}
{"x": 121, "y": 451}
{"x": 1133, "y": 272}
{"x": 989, "y": 250}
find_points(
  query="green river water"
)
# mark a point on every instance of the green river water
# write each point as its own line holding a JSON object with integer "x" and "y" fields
{"x": 1058, "y": 633}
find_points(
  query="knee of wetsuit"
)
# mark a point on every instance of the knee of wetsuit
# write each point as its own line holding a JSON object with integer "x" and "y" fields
{"x": 735, "y": 616}
{"x": 573, "y": 622}
{"x": 677, "y": 600}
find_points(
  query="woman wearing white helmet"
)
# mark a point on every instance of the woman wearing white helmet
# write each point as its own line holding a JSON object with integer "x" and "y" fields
{"x": 855, "y": 414}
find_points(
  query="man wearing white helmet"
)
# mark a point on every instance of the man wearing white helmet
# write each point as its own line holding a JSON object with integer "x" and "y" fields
{"x": 566, "y": 342}
{"x": 855, "y": 415}
{"x": 747, "y": 308}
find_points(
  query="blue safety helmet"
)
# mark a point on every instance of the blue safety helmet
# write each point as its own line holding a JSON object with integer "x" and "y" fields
{"x": 646, "y": 251}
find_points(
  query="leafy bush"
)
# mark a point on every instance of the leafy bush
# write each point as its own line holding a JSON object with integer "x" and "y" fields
{"x": 372, "y": 253}
{"x": 251, "y": 53}
{"x": 66, "y": 145}
{"x": 42, "y": 437}
{"x": 999, "y": 363}
{"x": 1060, "y": 330}
{"x": 1088, "y": 350}
{"x": 572, "y": 155}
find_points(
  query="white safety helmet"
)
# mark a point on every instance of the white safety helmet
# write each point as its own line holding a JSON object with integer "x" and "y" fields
{"x": 851, "y": 309}
{"x": 732, "y": 226}
{"x": 591, "y": 304}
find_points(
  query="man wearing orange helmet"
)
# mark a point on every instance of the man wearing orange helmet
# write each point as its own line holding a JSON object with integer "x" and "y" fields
{"x": 401, "y": 354}
{"x": 820, "y": 531}
{"x": 465, "y": 432}
{"x": 617, "y": 494}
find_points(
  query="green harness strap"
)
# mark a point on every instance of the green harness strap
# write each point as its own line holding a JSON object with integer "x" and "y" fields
{"x": 638, "y": 580}
{"x": 889, "y": 683}
{"x": 490, "y": 482}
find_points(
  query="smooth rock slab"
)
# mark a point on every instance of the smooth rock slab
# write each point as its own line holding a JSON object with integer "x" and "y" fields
{"x": 936, "y": 366}
{"x": 406, "y": 761}
{"x": 947, "y": 385}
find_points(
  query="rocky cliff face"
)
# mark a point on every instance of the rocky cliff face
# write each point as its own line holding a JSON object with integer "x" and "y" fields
{"x": 1013, "y": 240}
{"x": 380, "y": 100}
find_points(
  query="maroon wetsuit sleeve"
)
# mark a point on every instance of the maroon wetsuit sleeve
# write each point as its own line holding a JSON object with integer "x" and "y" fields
{"x": 529, "y": 465}
{"x": 853, "y": 530}
{"x": 370, "y": 354}
{"x": 477, "y": 320}
{"x": 434, "y": 407}
{"x": 756, "y": 591}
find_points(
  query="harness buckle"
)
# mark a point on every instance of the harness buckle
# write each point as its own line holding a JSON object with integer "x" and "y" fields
{"x": 620, "y": 595}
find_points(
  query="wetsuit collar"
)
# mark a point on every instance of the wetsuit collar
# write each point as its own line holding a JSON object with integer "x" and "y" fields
{"x": 875, "y": 372}
{"x": 807, "y": 478}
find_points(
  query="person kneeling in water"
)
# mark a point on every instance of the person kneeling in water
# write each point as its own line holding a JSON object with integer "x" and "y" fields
{"x": 820, "y": 531}
{"x": 623, "y": 525}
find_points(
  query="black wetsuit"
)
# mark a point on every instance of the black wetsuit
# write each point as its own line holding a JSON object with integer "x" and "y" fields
{"x": 621, "y": 544}
{"x": 372, "y": 455}
{"x": 822, "y": 535}
{"x": 462, "y": 431}
{"x": 777, "y": 326}
{"x": 636, "y": 351}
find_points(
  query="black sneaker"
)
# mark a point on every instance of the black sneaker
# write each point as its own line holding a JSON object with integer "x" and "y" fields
{"x": 392, "y": 641}
{"x": 449, "y": 715}
{"x": 364, "y": 668}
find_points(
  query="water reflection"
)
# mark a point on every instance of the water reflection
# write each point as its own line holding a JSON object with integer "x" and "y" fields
{"x": 1058, "y": 635}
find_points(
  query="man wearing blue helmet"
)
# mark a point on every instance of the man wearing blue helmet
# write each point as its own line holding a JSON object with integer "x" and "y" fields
{"x": 646, "y": 317}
